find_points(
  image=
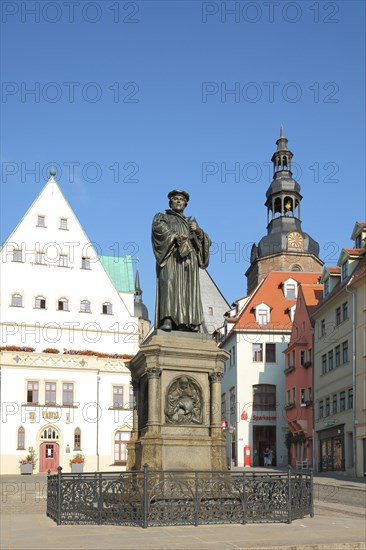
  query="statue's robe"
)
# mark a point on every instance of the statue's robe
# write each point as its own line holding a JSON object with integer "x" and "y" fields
{"x": 178, "y": 293}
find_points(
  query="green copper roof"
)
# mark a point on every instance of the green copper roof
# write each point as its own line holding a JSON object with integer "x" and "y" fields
{"x": 119, "y": 269}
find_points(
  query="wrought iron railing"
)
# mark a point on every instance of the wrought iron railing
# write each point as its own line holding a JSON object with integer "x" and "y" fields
{"x": 150, "y": 498}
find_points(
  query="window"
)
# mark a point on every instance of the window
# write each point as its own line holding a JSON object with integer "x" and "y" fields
{"x": 358, "y": 241}
{"x": 63, "y": 304}
{"x": 302, "y": 357}
{"x": 326, "y": 287}
{"x": 291, "y": 292}
{"x": 263, "y": 317}
{"x": 344, "y": 270}
{"x": 118, "y": 397}
{"x": 50, "y": 393}
{"x": 131, "y": 399}
{"x": 77, "y": 439}
{"x": 350, "y": 398}
{"x": 327, "y": 406}
{"x": 210, "y": 311}
{"x": 40, "y": 302}
{"x": 232, "y": 357}
{"x": 49, "y": 434}
{"x": 264, "y": 397}
{"x": 232, "y": 407}
{"x": 342, "y": 401}
{"x": 335, "y": 403}
{"x": 345, "y": 352}
{"x": 338, "y": 315}
{"x": 257, "y": 353}
{"x": 85, "y": 263}
{"x": 302, "y": 396}
{"x": 294, "y": 395}
{"x": 337, "y": 356}
{"x": 21, "y": 438}
{"x": 32, "y": 392}
{"x": 324, "y": 364}
{"x": 17, "y": 255}
{"x": 40, "y": 258}
{"x": 322, "y": 327}
{"x": 330, "y": 360}
{"x": 67, "y": 393}
{"x": 85, "y": 306}
{"x": 345, "y": 311}
{"x": 288, "y": 400}
{"x": 223, "y": 406}
{"x": 17, "y": 300}
{"x": 63, "y": 223}
{"x": 63, "y": 260}
{"x": 120, "y": 446}
{"x": 321, "y": 409}
{"x": 271, "y": 353}
{"x": 107, "y": 308}
{"x": 41, "y": 221}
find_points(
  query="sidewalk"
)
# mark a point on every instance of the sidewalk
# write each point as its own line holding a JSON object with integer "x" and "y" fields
{"x": 326, "y": 531}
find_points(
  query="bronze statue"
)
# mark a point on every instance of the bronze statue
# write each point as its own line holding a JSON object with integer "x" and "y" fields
{"x": 181, "y": 247}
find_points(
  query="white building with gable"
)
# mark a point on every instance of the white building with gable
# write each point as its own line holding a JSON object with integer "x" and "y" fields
{"x": 67, "y": 327}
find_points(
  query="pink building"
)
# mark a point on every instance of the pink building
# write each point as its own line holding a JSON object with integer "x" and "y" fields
{"x": 299, "y": 379}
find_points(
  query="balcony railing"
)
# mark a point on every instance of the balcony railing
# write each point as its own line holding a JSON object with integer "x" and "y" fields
{"x": 307, "y": 364}
{"x": 288, "y": 369}
{"x": 290, "y": 405}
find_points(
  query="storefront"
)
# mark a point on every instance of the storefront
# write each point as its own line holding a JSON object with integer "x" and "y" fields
{"x": 331, "y": 449}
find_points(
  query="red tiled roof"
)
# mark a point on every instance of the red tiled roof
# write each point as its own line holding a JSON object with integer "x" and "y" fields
{"x": 312, "y": 294}
{"x": 271, "y": 293}
{"x": 355, "y": 251}
{"x": 333, "y": 270}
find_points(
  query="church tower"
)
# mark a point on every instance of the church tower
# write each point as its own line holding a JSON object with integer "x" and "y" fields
{"x": 285, "y": 247}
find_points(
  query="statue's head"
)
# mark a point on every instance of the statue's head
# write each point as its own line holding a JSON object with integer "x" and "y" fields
{"x": 178, "y": 199}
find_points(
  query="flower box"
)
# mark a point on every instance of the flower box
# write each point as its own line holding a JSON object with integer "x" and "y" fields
{"x": 77, "y": 467}
{"x": 26, "y": 469}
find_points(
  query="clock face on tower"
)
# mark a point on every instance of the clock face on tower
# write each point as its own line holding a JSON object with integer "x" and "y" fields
{"x": 295, "y": 240}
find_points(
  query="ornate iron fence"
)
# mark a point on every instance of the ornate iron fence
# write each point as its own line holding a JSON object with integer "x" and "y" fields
{"x": 150, "y": 498}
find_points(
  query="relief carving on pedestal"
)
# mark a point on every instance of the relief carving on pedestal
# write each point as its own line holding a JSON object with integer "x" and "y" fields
{"x": 183, "y": 402}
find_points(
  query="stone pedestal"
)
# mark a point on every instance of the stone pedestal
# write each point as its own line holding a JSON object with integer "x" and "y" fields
{"x": 176, "y": 378}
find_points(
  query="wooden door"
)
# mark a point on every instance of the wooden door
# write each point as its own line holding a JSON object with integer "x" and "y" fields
{"x": 48, "y": 457}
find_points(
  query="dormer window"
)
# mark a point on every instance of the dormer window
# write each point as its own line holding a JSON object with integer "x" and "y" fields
{"x": 344, "y": 270}
{"x": 290, "y": 289}
{"x": 262, "y": 314}
{"x": 358, "y": 241}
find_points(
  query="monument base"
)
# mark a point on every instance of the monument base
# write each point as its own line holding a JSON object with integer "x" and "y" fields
{"x": 176, "y": 378}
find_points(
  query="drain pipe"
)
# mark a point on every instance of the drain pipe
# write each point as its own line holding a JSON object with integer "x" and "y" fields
{"x": 354, "y": 419}
{"x": 97, "y": 433}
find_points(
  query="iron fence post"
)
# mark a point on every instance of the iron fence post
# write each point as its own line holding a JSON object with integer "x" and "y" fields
{"x": 289, "y": 492}
{"x": 197, "y": 506}
{"x": 100, "y": 498}
{"x": 59, "y": 499}
{"x": 144, "y": 498}
{"x": 311, "y": 493}
{"x": 244, "y": 502}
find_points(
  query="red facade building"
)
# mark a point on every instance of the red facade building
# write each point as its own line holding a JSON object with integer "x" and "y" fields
{"x": 299, "y": 379}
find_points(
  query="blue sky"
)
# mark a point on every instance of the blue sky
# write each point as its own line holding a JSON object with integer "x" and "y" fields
{"x": 132, "y": 99}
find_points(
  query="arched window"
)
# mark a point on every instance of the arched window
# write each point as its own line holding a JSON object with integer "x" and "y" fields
{"x": 107, "y": 308}
{"x": 49, "y": 433}
{"x": 21, "y": 438}
{"x": 264, "y": 397}
{"x": 63, "y": 304}
{"x": 120, "y": 446}
{"x": 85, "y": 306}
{"x": 77, "y": 439}
{"x": 17, "y": 300}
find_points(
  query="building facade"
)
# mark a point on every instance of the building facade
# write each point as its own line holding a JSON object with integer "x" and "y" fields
{"x": 340, "y": 363}
{"x": 67, "y": 327}
{"x": 299, "y": 379}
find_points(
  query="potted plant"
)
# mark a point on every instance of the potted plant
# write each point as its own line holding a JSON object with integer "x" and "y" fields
{"x": 77, "y": 463}
{"x": 28, "y": 463}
